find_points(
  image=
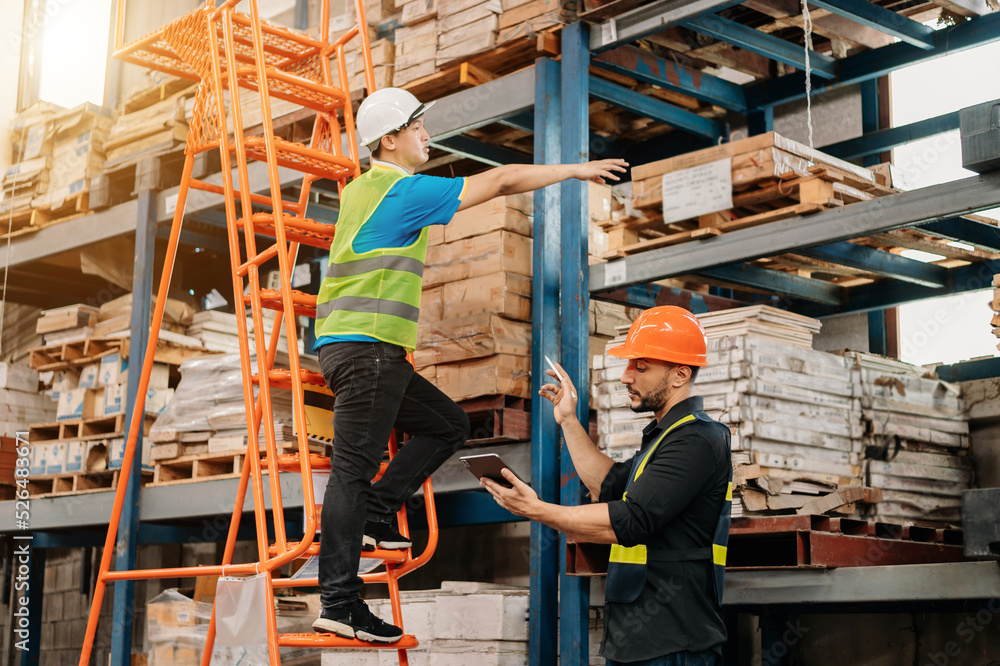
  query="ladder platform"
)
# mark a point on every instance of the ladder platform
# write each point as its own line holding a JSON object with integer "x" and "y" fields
{"x": 295, "y": 89}
{"x": 395, "y": 556}
{"x": 298, "y": 229}
{"x": 300, "y": 157}
{"x": 302, "y": 303}
{"x": 407, "y": 642}
{"x": 282, "y": 378}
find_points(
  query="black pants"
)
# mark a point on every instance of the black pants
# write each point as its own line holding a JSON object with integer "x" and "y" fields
{"x": 376, "y": 389}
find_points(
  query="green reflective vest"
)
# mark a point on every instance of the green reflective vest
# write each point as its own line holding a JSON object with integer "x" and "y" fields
{"x": 376, "y": 293}
{"x": 627, "y": 565}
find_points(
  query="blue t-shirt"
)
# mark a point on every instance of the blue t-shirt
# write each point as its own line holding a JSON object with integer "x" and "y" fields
{"x": 411, "y": 204}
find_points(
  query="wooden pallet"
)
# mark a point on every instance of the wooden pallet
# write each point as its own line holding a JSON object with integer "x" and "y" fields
{"x": 72, "y": 354}
{"x": 78, "y": 483}
{"x": 498, "y": 418}
{"x": 100, "y": 427}
{"x": 201, "y": 467}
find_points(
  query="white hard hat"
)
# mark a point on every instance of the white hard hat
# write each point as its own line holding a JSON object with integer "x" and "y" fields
{"x": 386, "y": 111}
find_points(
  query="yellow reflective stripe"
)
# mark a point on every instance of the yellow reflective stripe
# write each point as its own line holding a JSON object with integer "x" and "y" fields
{"x": 719, "y": 554}
{"x": 631, "y": 555}
{"x": 642, "y": 465}
{"x": 729, "y": 492}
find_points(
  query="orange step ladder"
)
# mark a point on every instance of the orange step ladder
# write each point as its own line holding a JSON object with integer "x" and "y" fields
{"x": 225, "y": 51}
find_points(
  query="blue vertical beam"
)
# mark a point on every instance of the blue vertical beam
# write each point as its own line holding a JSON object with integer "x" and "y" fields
{"x": 574, "y": 598}
{"x": 128, "y": 526}
{"x": 878, "y": 342}
{"x": 760, "y": 121}
{"x": 870, "y": 114}
{"x": 544, "y": 591}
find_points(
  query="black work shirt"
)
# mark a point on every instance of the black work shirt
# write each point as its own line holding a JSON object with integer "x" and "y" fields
{"x": 675, "y": 504}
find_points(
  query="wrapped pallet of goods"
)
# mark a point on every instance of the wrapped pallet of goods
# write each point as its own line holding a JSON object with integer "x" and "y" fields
{"x": 734, "y": 186}
{"x": 917, "y": 447}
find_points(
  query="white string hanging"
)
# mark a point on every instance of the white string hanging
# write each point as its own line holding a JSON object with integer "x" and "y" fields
{"x": 807, "y": 28}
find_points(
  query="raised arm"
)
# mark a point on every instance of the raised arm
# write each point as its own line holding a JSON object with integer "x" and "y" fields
{"x": 517, "y": 178}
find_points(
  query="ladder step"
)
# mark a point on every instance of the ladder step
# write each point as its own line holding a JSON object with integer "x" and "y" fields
{"x": 289, "y": 462}
{"x": 407, "y": 642}
{"x": 298, "y": 229}
{"x": 282, "y": 378}
{"x": 295, "y": 89}
{"x": 302, "y": 158}
{"x": 377, "y": 554}
{"x": 302, "y": 303}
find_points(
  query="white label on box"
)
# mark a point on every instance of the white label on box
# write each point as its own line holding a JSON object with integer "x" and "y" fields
{"x": 697, "y": 191}
{"x": 614, "y": 272}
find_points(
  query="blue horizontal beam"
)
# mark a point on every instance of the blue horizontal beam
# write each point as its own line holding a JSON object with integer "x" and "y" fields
{"x": 983, "y": 236}
{"x": 967, "y": 371}
{"x": 644, "y": 66}
{"x": 870, "y": 260}
{"x": 886, "y": 139}
{"x": 480, "y": 151}
{"x": 881, "y": 19}
{"x": 887, "y": 293}
{"x": 762, "y": 43}
{"x": 785, "y": 284}
{"x": 522, "y": 121}
{"x": 877, "y": 62}
{"x": 655, "y": 109}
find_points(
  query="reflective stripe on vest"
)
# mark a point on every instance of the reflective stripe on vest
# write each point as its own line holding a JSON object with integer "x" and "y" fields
{"x": 627, "y": 566}
{"x": 375, "y": 293}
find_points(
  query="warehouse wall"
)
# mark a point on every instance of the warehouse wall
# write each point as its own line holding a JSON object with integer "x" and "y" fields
{"x": 13, "y": 16}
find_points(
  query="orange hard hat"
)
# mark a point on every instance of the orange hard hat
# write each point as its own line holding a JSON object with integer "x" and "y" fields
{"x": 666, "y": 333}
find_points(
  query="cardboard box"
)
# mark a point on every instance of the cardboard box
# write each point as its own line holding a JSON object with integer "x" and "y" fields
{"x": 116, "y": 453}
{"x": 53, "y": 457}
{"x": 495, "y": 252}
{"x": 512, "y": 213}
{"x": 64, "y": 380}
{"x": 90, "y": 376}
{"x": 76, "y": 456}
{"x": 80, "y": 403}
{"x": 116, "y": 399}
{"x": 496, "y": 375}
{"x": 113, "y": 370}
{"x": 505, "y": 294}
{"x": 37, "y": 460}
{"x": 473, "y": 336}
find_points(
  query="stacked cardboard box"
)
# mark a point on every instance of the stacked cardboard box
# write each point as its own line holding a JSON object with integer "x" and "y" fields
{"x": 475, "y": 333}
{"x": 32, "y": 141}
{"x": 20, "y": 400}
{"x": 78, "y": 145}
{"x": 916, "y": 440}
{"x": 462, "y": 623}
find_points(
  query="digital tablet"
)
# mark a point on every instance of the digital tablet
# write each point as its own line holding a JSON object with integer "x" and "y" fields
{"x": 488, "y": 465}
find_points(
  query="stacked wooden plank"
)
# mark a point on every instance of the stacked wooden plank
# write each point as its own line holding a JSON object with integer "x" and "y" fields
{"x": 995, "y": 305}
{"x": 733, "y": 186}
{"x": 217, "y": 330}
{"x": 527, "y": 17}
{"x": 148, "y": 125}
{"x": 465, "y": 28}
{"x": 383, "y": 61}
{"x": 20, "y": 400}
{"x": 415, "y": 52}
{"x": 475, "y": 333}
{"x": 28, "y": 177}
{"x": 916, "y": 440}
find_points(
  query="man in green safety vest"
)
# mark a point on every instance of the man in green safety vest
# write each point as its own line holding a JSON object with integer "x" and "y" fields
{"x": 366, "y": 322}
{"x": 665, "y": 512}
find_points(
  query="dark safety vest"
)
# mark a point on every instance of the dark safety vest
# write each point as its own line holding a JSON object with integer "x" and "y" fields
{"x": 627, "y": 566}
{"x": 375, "y": 293}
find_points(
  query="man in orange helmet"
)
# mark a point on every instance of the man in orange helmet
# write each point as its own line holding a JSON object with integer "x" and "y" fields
{"x": 666, "y": 511}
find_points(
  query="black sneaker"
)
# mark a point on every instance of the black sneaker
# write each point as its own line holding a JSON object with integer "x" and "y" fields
{"x": 386, "y": 536}
{"x": 356, "y": 621}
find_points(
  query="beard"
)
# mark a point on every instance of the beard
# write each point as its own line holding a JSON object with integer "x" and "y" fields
{"x": 654, "y": 400}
